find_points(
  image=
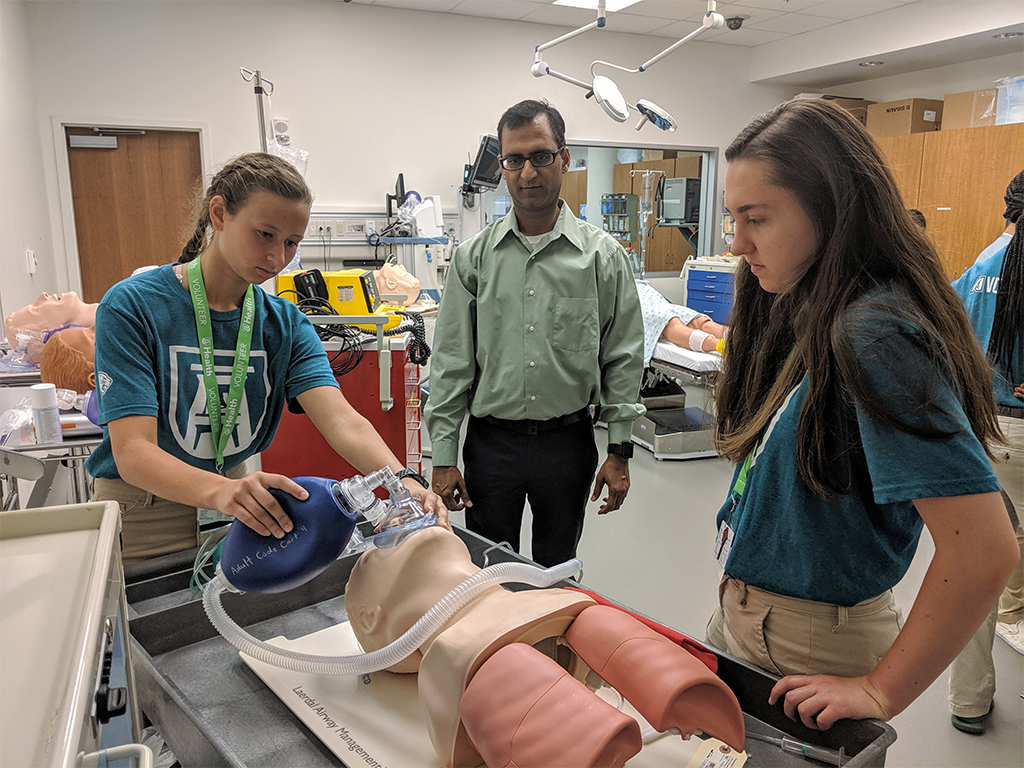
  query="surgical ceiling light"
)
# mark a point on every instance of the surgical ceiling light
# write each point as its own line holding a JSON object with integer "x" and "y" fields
{"x": 604, "y": 88}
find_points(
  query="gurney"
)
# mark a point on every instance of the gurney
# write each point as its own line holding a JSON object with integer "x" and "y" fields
{"x": 669, "y": 429}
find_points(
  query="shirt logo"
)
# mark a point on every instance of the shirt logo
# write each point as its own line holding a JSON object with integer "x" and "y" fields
{"x": 187, "y": 411}
{"x": 104, "y": 382}
{"x": 986, "y": 285}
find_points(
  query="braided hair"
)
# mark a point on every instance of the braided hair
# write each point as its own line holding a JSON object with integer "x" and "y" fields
{"x": 1006, "y": 326}
{"x": 236, "y": 182}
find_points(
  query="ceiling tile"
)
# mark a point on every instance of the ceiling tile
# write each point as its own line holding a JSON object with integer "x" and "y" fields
{"x": 561, "y": 15}
{"x": 506, "y": 9}
{"x": 639, "y": 25}
{"x": 747, "y": 37}
{"x": 671, "y": 10}
{"x": 751, "y": 14}
{"x": 681, "y": 29}
{"x": 440, "y": 6}
{"x": 852, "y": 9}
{"x": 793, "y": 23}
{"x": 782, "y": 6}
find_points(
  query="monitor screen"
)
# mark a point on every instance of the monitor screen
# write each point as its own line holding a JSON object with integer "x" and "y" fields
{"x": 486, "y": 172}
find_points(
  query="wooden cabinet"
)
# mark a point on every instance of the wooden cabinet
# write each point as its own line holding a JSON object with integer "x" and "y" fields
{"x": 957, "y": 179}
{"x": 574, "y": 191}
{"x": 904, "y": 154}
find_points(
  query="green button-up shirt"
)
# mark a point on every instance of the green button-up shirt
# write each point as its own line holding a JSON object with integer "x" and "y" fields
{"x": 535, "y": 332}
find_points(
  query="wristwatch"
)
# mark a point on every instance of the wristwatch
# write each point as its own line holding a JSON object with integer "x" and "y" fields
{"x": 625, "y": 450}
{"x": 414, "y": 475}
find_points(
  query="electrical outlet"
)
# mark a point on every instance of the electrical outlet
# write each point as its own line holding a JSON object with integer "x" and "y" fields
{"x": 354, "y": 229}
{"x": 371, "y": 227}
{"x": 320, "y": 229}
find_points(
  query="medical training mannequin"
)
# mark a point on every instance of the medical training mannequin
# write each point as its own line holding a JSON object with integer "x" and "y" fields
{"x": 680, "y": 325}
{"x": 67, "y": 359}
{"x": 49, "y": 312}
{"x": 389, "y": 589}
{"x": 395, "y": 279}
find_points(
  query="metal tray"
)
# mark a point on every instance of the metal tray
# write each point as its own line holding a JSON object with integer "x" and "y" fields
{"x": 214, "y": 711}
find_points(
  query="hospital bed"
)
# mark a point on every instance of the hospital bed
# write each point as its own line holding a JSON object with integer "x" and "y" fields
{"x": 669, "y": 429}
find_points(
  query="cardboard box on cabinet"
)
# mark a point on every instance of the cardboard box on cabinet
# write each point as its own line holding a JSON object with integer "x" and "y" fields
{"x": 898, "y": 118}
{"x": 970, "y": 109}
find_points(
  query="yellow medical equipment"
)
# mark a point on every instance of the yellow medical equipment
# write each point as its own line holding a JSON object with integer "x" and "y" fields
{"x": 345, "y": 291}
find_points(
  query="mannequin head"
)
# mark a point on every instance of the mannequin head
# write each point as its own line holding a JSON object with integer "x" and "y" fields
{"x": 394, "y": 278}
{"x": 390, "y": 589}
{"x": 48, "y": 312}
{"x": 68, "y": 359}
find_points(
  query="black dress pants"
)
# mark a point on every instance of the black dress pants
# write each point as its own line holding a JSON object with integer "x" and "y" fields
{"x": 554, "y": 469}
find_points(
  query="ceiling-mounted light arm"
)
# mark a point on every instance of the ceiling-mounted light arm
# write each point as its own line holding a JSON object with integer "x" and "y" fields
{"x": 712, "y": 20}
{"x": 604, "y": 89}
{"x": 540, "y": 68}
{"x": 597, "y": 23}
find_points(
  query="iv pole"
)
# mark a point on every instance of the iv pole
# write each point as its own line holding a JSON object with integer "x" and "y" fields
{"x": 259, "y": 82}
{"x": 647, "y": 195}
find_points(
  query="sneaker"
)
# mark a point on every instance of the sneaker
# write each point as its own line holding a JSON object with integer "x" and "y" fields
{"x": 973, "y": 725}
{"x": 1013, "y": 634}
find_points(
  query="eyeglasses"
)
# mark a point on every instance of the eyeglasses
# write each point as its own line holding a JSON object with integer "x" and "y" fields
{"x": 541, "y": 159}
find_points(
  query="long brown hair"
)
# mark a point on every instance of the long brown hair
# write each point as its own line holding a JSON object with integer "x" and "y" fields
{"x": 236, "y": 182}
{"x": 865, "y": 240}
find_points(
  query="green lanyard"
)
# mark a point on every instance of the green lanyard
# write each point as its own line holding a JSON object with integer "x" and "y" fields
{"x": 741, "y": 479}
{"x": 221, "y": 425}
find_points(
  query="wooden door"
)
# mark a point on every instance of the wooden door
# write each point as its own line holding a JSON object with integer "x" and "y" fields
{"x": 905, "y": 155}
{"x": 964, "y": 178}
{"x": 131, "y": 204}
{"x": 574, "y": 192}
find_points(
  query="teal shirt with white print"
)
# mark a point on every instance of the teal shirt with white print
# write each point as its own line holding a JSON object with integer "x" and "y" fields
{"x": 978, "y": 288}
{"x": 854, "y": 547}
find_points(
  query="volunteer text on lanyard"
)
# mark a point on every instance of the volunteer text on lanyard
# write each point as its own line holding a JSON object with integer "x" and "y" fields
{"x": 221, "y": 425}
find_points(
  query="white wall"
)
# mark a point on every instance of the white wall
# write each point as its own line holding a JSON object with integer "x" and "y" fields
{"x": 370, "y": 91}
{"x": 915, "y": 25}
{"x": 936, "y": 83}
{"x": 24, "y": 216}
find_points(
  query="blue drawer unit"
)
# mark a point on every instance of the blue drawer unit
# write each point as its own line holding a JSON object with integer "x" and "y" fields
{"x": 709, "y": 288}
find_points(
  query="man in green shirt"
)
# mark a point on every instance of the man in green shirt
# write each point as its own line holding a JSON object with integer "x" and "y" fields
{"x": 539, "y": 320}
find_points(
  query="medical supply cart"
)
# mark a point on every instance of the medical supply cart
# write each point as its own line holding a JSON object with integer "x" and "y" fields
{"x": 708, "y": 287}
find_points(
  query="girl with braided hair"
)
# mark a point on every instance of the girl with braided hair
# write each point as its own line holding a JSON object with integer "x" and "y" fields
{"x": 194, "y": 363}
{"x": 992, "y": 290}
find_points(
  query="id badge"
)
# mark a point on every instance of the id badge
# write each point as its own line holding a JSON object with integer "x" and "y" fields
{"x": 723, "y": 545}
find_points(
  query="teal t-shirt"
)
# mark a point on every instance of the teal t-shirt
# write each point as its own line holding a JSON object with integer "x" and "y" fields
{"x": 148, "y": 364}
{"x": 977, "y": 288}
{"x": 854, "y": 547}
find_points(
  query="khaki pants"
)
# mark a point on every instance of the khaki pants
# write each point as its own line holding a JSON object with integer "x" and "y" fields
{"x": 152, "y": 526}
{"x": 790, "y": 636}
{"x": 972, "y": 675}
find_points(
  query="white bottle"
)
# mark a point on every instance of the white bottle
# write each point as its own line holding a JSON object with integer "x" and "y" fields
{"x": 45, "y": 414}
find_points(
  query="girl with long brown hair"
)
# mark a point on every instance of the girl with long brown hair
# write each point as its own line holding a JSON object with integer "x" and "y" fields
{"x": 858, "y": 408}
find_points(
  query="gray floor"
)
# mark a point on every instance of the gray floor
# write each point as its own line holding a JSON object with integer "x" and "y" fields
{"x": 655, "y": 555}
